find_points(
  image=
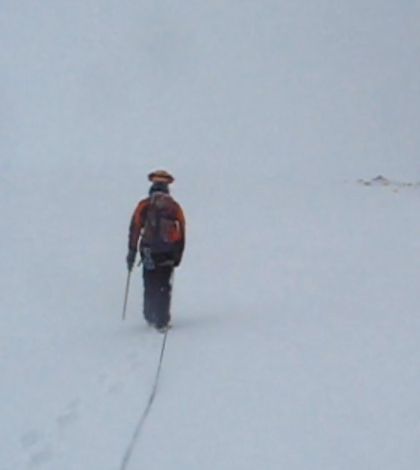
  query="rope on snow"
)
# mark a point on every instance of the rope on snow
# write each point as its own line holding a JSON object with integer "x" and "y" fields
{"x": 142, "y": 420}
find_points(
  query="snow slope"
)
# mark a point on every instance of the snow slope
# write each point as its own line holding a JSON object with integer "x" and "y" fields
{"x": 296, "y": 329}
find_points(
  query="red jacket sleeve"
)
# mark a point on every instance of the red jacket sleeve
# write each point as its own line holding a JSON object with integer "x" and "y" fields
{"x": 136, "y": 225}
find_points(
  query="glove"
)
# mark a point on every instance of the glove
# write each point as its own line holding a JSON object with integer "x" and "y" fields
{"x": 177, "y": 262}
{"x": 131, "y": 258}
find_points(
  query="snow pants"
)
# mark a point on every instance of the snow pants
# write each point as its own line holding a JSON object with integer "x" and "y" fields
{"x": 157, "y": 295}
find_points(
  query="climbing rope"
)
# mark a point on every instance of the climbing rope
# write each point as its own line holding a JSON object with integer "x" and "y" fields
{"x": 143, "y": 417}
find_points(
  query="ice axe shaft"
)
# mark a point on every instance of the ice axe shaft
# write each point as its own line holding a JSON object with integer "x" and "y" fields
{"x": 127, "y": 288}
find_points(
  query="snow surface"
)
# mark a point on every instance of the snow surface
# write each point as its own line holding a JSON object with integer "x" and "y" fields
{"x": 296, "y": 329}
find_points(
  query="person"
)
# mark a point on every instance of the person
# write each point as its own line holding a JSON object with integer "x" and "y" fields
{"x": 158, "y": 222}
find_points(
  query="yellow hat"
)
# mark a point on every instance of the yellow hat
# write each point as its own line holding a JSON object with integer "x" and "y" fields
{"x": 161, "y": 176}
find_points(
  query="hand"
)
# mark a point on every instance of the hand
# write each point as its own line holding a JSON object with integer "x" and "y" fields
{"x": 131, "y": 258}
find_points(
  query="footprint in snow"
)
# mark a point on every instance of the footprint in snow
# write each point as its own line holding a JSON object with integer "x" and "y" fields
{"x": 133, "y": 362}
{"x": 113, "y": 382}
{"x": 40, "y": 451}
{"x": 31, "y": 438}
{"x": 69, "y": 415}
{"x": 39, "y": 446}
{"x": 41, "y": 456}
{"x": 110, "y": 385}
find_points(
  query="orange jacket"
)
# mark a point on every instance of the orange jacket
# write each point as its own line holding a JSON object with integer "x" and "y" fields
{"x": 138, "y": 220}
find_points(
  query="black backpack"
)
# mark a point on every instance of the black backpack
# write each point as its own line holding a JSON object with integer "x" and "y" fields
{"x": 160, "y": 224}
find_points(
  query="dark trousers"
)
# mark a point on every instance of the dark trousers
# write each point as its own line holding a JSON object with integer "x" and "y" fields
{"x": 157, "y": 295}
